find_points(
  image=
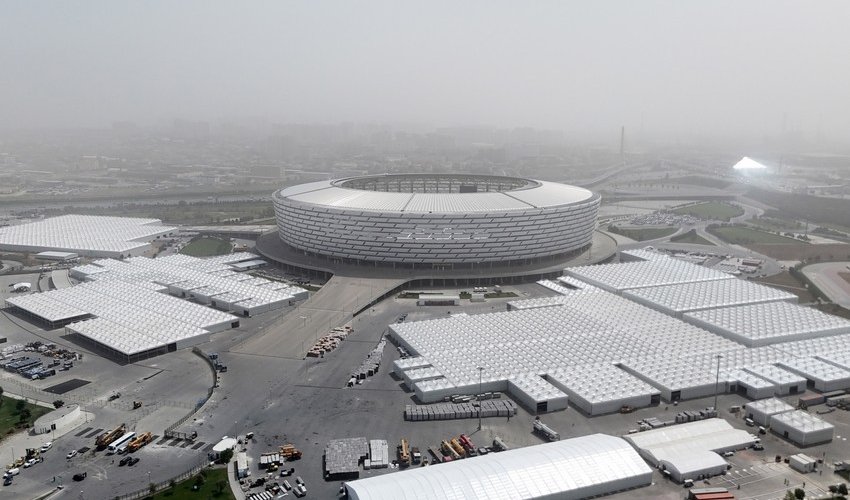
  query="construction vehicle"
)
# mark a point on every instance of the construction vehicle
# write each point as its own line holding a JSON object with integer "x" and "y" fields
{"x": 456, "y": 446}
{"x": 545, "y": 431}
{"x": 137, "y": 405}
{"x": 290, "y": 452}
{"x": 107, "y": 438}
{"x": 467, "y": 444}
{"x": 32, "y": 453}
{"x": 448, "y": 450}
{"x": 139, "y": 441}
{"x": 404, "y": 453}
{"x": 416, "y": 455}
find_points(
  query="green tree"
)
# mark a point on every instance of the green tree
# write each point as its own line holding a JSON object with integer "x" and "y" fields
{"x": 842, "y": 489}
{"x": 225, "y": 456}
{"x": 20, "y": 405}
{"x": 799, "y": 493}
{"x": 789, "y": 495}
{"x": 1, "y": 396}
{"x": 220, "y": 485}
{"x": 152, "y": 488}
{"x": 25, "y": 415}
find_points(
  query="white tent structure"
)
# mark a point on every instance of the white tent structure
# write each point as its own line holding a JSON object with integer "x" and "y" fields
{"x": 582, "y": 467}
{"x": 126, "y": 312}
{"x": 86, "y": 235}
{"x": 761, "y": 411}
{"x": 802, "y": 428}
{"x": 769, "y": 323}
{"x": 690, "y": 450}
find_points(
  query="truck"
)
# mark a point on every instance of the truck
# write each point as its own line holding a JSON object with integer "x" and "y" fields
{"x": 416, "y": 456}
{"x": 545, "y": 431}
{"x": 448, "y": 450}
{"x": 499, "y": 445}
{"x": 107, "y": 438}
{"x": 456, "y": 446}
{"x": 290, "y": 452}
{"x": 404, "y": 453}
{"x": 467, "y": 444}
{"x": 120, "y": 444}
{"x": 139, "y": 441}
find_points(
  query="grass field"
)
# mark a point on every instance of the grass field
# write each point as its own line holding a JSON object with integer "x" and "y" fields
{"x": 184, "y": 491}
{"x": 710, "y": 210}
{"x": 691, "y": 237}
{"x": 785, "y": 281}
{"x": 743, "y": 235}
{"x": 9, "y": 418}
{"x": 643, "y": 233}
{"x": 206, "y": 247}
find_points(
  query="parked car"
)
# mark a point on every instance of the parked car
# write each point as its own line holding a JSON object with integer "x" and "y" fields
{"x": 71, "y": 454}
{"x": 14, "y": 471}
{"x": 79, "y": 476}
{"x": 133, "y": 461}
{"x": 46, "y": 446}
{"x": 29, "y": 463}
{"x": 124, "y": 461}
{"x": 7, "y": 480}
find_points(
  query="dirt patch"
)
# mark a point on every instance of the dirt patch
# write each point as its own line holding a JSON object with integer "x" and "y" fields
{"x": 811, "y": 253}
{"x": 785, "y": 281}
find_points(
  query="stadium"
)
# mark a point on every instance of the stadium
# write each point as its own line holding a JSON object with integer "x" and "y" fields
{"x": 436, "y": 221}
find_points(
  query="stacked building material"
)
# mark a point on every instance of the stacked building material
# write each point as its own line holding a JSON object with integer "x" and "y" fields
{"x": 451, "y": 411}
{"x": 343, "y": 456}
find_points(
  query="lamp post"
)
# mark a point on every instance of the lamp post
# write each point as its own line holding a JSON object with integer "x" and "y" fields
{"x": 717, "y": 382}
{"x": 480, "y": 374}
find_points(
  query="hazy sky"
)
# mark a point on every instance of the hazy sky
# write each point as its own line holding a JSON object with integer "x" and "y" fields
{"x": 669, "y": 67}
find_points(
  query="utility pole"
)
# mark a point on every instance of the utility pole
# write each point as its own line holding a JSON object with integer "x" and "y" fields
{"x": 480, "y": 373}
{"x": 717, "y": 382}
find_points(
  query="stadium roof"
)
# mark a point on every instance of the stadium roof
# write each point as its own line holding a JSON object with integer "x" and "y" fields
{"x": 541, "y": 194}
{"x": 573, "y": 468}
{"x": 88, "y": 234}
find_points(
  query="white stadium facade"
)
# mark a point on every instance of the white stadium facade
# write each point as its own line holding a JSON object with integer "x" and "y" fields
{"x": 436, "y": 220}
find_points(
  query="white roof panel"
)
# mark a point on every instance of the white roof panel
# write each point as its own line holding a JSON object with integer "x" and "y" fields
{"x": 571, "y": 468}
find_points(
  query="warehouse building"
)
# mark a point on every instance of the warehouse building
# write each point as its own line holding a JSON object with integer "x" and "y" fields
{"x": 802, "y": 428}
{"x": 85, "y": 235}
{"x": 583, "y": 467}
{"x": 761, "y": 411}
{"x": 128, "y": 310}
{"x": 690, "y": 450}
{"x": 769, "y": 323}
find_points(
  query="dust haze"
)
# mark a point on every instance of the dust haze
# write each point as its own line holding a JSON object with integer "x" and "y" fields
{"x": 667, "y": 71}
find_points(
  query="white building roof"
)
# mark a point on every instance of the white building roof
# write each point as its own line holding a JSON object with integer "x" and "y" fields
{"x": 673, "y": 442}
{"x": 563, "y": 469}
{"x": 762, "y": 324}
{"x": 802, "y": 420}
{"x": 747, "y": 163}
{"x": 658, "y": 272}
{"x": 686, "y": 297}
{"x": 770, "y": 406}
{"x": 83, "y": 233}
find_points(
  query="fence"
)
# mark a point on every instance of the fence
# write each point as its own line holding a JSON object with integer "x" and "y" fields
{"x": 169, "y": 431}
{"x": 146, "y": 492}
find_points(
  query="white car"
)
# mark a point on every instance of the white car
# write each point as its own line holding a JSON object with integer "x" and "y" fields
{"x": 12, "y": 472}
{"x": 46, "y": 446}
{"x": 71, "y": 454}
{"x": 29, "y": 463}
